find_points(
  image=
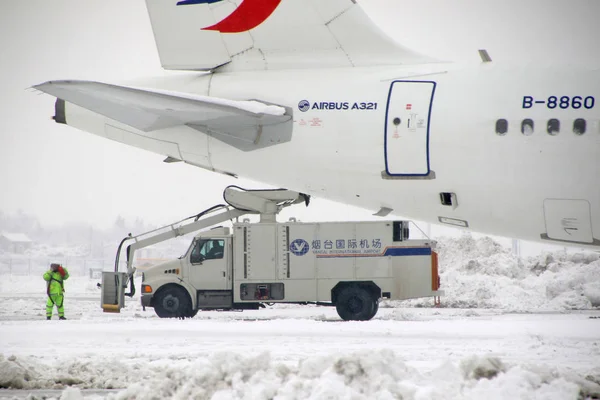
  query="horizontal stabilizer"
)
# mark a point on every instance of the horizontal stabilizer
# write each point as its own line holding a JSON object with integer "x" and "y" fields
{"x": 246, "y": 125}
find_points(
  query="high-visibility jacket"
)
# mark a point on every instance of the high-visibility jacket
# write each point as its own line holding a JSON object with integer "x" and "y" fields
{"x": 55, "y": 280}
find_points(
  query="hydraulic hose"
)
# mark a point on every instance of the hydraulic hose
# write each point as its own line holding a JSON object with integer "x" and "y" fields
{"x": 201, "y": 214}
{"x": 119, "y": 252}
{"x": 132, "y": 286}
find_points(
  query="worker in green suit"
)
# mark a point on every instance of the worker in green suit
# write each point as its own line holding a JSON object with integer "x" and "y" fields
{"x": 55, "y": 289}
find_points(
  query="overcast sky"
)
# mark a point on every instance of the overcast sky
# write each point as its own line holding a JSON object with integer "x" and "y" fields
{"x": 62, "y": 175}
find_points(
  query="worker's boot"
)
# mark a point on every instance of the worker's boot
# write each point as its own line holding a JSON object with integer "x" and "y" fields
{"x": 48, "y": 318}
{"x": 61, "y": 318}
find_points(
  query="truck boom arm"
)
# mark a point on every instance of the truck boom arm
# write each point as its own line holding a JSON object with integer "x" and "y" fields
{"x": 175, "y": 230}
{"x": 267, "y": 203}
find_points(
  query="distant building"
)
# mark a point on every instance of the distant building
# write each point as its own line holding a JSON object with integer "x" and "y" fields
{"x": 15, "y": 242}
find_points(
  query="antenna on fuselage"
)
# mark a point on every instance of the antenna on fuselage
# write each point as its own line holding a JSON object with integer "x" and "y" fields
{"x": 485, "y": 56}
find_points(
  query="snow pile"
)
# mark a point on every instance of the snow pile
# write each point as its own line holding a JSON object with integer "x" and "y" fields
{"x": 360, "y": 375}
{"x": 480, "y": 273}
{"x": 30, "y": 374}
{"x": 13, "y": 374}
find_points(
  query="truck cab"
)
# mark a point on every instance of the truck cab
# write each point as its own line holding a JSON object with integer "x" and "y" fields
{"x": 200, "y": 279}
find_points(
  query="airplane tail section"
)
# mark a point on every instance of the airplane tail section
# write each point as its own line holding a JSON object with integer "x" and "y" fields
{"x": 270, "y": 34}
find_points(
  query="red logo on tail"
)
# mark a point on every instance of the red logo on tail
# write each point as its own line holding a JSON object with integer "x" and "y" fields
{"x": 249, "y": 15}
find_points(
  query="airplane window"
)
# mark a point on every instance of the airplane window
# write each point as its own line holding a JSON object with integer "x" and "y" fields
{"x": 527, "y": 127}
{"x": 579, "y": 126}
{"x": 501, "y": 127}
{"x": 553, "y": 126}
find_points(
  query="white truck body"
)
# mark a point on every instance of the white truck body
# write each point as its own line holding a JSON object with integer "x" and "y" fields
{"x": 351, "y": 265}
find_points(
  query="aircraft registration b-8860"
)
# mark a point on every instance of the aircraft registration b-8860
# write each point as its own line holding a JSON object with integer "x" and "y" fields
{"x": 310, "y": 95}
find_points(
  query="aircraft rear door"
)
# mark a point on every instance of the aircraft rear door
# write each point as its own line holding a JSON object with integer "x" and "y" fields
{"x": 407, "y": 128}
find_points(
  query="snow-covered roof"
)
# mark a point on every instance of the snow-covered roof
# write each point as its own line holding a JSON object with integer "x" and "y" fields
{"x": 16, "y": 237}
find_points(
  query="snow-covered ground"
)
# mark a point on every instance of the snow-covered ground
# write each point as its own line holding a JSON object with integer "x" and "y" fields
{"x": 507, "y": 329}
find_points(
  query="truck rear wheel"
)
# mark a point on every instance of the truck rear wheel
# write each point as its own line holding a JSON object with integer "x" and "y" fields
{"x": 356, "y": 304}
{"x": 172, "y": 302}
{"x": 374, "y": 312}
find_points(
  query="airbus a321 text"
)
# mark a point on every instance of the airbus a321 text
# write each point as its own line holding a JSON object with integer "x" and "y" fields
{"x": 310, "y": 95}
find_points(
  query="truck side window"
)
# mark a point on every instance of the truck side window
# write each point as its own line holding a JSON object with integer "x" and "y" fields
{"x": 214, "y": 249}
{"x": 207, "y": 249}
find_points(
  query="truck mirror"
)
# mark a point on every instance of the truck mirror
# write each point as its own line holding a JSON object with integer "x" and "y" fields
{"x": 197, "y": 258}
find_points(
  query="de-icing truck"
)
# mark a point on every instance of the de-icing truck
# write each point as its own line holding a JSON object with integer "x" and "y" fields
{"x": 349, "y": 265}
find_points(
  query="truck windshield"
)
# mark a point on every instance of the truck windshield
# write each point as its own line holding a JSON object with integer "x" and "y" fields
{"x": 193, "y": 245}
{"x": 194, "y": 249}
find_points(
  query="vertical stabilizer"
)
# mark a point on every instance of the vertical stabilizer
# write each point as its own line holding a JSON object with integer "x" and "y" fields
{"x": 270, "y": 34}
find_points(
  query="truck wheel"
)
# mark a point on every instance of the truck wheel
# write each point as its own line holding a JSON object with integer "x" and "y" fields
{"x": 374, "y": 312}
{"x": 172, "y": 302}
{"x": 356, "y": 304}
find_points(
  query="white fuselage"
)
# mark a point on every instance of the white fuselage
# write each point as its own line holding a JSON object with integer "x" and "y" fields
{"x": 398, "y": 137}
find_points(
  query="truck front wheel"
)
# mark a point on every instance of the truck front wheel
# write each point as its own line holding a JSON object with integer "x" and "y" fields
{"x": 356, "y": 304}
{"x": 172, "y": 302}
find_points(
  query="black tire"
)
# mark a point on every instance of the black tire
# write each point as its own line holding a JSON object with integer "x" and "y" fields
{"x": 355, "y": 304}
{"x": 374, "y": 312}
{"x": 173, "y": 302}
